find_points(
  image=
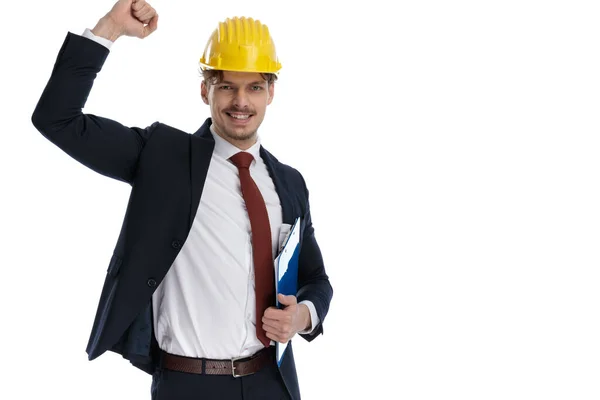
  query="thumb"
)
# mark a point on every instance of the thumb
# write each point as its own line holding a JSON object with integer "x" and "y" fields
{"x": 286, "y": 300}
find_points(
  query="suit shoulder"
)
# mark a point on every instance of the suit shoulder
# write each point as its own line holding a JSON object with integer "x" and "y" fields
{"x": 292, "y": 172}
{"x": 287, "y": 170}
{"x": 164, "y": 127}
{"x": 292, "y": 175}
{"x": 161, "y": 128}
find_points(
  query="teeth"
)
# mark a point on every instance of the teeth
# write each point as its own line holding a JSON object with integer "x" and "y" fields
{"x": 238, "y": 116}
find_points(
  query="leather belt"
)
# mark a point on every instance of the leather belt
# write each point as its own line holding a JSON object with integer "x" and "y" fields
{"x": 237, "y": 367}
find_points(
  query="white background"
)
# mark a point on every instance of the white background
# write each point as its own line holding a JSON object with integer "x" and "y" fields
{"x": 451, "y": 150}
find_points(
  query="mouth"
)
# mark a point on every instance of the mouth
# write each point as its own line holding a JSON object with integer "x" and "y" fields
{"x": 239, "y": 118}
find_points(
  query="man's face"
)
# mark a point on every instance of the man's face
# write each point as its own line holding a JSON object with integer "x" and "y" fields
{"x": 237, "y": 105}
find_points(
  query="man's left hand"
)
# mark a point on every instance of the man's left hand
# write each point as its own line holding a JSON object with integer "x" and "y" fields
{"x": 282, "y": 325}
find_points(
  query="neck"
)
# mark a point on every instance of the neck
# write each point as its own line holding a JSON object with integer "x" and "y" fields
{"x": 241, "y": 144}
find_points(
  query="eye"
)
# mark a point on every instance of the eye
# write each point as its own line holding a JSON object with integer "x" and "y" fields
{"x": 225, "y": 87}
{"x": 256, "y": 88}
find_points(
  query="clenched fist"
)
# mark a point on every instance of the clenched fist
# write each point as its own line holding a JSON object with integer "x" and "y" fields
{"x": 134, "y": 18}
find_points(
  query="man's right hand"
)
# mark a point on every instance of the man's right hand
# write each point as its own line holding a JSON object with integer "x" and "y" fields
{"x": 134, "y": 18}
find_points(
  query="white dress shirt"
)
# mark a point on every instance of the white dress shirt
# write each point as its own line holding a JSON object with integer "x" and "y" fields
{"x": 205, "y": 306}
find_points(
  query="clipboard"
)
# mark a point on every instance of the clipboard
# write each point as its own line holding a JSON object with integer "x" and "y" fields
{"x": 286, "y": 274}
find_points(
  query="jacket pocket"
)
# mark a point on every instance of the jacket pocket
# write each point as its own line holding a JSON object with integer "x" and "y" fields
{"x": 114, "y": 266}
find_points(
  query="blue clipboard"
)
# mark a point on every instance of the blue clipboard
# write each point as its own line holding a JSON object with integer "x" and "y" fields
{"x": 286, "y": 274}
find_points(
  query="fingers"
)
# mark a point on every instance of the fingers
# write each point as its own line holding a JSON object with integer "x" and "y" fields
{"x": 143, "y": 11}
{"x": 147, "y": 16}
{"x": 276, "y": 338}
{"x": 274, "y": 325}
{"x": 279, "y": 315}
{"x": 280, "y": 332}
{"x": 279, "y": 323}
{"x": 138, "y": 4}
{"x": 270, "y": 326}
{"x": 152, "y": 26}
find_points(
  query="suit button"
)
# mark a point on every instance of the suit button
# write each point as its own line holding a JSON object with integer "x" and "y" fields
{"x": 176, "y": 244}
{"x": 151, "y": 282}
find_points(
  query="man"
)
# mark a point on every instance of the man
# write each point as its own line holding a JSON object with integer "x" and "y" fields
{"x": 189, "y": 295}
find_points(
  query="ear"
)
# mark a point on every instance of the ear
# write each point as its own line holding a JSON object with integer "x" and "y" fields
{"x": 271, "y": 93}
{"x": 204, "y": 92}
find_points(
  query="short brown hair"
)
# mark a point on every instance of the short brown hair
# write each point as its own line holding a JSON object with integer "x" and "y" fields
{"x": 214, "y": 76}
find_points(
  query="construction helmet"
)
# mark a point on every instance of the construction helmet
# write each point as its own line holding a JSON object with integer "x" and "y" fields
{"x": 241, "y": 44}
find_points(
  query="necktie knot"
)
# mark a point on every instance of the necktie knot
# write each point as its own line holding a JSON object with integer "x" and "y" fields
{"x": 242, "y": 159}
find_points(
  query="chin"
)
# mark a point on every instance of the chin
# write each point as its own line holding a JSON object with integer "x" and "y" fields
{"x": 241, "y": 134}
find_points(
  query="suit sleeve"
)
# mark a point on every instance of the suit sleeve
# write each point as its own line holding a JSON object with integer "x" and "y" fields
{"x": 313, "y": 282}
{"x": 104, "y": 145}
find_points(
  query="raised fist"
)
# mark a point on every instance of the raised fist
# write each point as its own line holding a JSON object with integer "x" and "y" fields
{"x": 135, "y": 18}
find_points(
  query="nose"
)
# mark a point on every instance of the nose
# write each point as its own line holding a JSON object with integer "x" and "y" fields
{"x": 240, "y": 98}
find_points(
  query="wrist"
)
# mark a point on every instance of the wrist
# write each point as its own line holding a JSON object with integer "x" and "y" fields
{"x": 107, "y": 28}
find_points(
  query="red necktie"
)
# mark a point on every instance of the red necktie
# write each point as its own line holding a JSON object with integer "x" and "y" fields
{"x": 264, "y": 274}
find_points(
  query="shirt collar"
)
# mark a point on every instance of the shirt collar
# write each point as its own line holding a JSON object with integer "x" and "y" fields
{"x": 225, "y": 149}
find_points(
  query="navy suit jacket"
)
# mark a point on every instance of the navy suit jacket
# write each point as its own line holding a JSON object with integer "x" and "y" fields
{"x": 166, "y": 169}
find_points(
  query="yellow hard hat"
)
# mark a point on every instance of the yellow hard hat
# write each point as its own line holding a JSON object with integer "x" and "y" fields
{"x": 241, "y": 44}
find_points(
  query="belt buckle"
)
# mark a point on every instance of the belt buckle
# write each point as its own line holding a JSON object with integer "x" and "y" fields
{"x": 233, "y": 360}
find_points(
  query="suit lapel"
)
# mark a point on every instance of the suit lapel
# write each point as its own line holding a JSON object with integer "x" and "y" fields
{"x": 287, "y": 205}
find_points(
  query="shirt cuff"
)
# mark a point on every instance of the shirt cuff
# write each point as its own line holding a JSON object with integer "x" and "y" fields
{"x": 314, "y": 318}
{"x": 104, "y": 42}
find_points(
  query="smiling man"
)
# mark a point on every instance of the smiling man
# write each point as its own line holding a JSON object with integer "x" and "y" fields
{"x": 189, "y": 295}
